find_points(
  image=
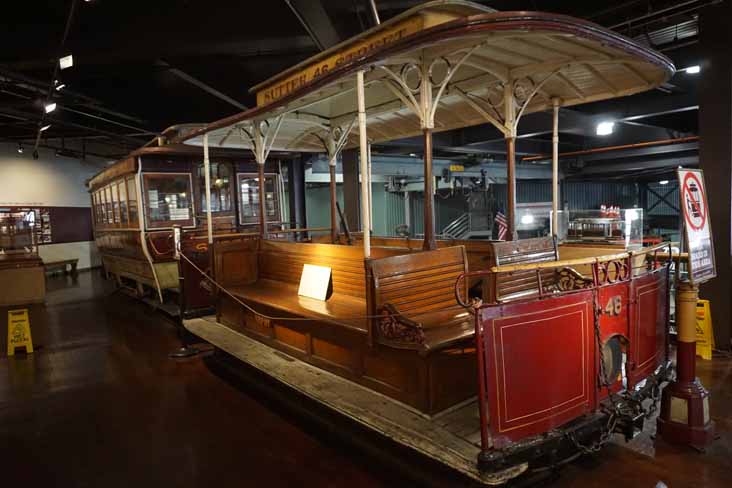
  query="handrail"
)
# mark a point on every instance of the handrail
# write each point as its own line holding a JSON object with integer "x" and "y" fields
{"x": 597, "y": 261}
{"x": 235, "y": 234}
{"x": 304, "y": 229}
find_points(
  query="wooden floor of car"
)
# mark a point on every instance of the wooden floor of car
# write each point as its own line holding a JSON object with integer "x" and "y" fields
{"x": 451, "y": 437}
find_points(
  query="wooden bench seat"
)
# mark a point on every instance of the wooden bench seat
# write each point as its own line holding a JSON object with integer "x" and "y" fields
{"x": 266, "y": 275}
{"x": 281, "y": 296}
{"x": 520, "y": 284}
{"x": 414, "y": 295}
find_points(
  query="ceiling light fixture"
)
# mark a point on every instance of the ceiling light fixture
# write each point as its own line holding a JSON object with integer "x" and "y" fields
{"x": 66, "y": 62}
{"x": 45, "y": 127}
{"x": 20, "y": 148}
{"x": 605, "y": 128}
{"x": 692, "y": 70}
{"x": 663, "y": 182}
{"x": 49, "y": 107}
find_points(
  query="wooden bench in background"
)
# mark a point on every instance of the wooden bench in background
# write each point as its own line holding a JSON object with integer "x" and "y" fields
{"x": 520, "y": 284}
{"x": 56, "y": 266}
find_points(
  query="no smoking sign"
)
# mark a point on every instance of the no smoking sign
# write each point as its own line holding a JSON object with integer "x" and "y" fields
{"x": 694, "y": 200}
{"x": 701, "y": 265}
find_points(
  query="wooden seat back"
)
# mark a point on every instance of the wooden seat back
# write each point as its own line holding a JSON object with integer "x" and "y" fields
{"x": 242, "y": 262}
{"x": 417, "y": 283}
{"x": 283, "y": 261}
{"x": 520, "y": 284}
{"x": 412, "y": 298}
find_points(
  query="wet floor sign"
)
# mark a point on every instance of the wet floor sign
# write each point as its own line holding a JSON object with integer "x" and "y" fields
{"x": 19, "y": 334}
{"x": 704, "y": 331}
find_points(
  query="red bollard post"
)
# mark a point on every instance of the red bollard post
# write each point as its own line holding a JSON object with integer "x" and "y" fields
{"x": 684, "y": 417}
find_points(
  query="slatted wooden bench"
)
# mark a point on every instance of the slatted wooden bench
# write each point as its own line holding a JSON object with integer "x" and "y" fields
{"x": 267, "y": 273}
{"x": 520, "y": 284}
{"x": 415, "y": 296}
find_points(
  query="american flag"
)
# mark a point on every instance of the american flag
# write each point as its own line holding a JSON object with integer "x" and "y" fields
{"x": 502, "y": 224}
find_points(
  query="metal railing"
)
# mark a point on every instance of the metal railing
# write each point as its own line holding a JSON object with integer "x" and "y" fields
{"x": 458, "y": 227}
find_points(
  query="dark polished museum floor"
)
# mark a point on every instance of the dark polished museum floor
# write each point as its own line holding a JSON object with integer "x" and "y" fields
{"x": 100, "y": 404}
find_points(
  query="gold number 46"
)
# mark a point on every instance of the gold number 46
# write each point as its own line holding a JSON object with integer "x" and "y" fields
{"x": 614, "y": 305}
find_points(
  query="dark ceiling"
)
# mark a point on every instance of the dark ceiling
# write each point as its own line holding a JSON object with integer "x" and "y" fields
{"x": 141, "y": 66}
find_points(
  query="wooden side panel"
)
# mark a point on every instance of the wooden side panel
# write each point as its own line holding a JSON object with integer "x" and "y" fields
{"x": 236, "y": 262}
{"x": 539, "y": 364}
{"x": 615, "y": 318}
{"x": 452, "y": 377}
{"x": 648, "y": 325}
{"x": 23, "y": 285}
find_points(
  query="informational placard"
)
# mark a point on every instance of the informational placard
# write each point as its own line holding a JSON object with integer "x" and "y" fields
{"x": 315, "y": 282}
{"x": 698, "y": 228}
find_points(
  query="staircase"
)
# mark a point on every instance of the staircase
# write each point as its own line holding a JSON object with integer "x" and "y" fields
{"x": 458, "y": 228}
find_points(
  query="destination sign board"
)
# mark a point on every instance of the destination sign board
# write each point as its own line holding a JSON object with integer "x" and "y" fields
{"x": 378, "y": 40}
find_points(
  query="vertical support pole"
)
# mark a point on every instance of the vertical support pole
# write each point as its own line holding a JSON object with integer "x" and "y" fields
{"x": 333, "y": 197}
{"x": 207, "y": 177}
{"x": 429, "y": 212}
{"x": 371, "y": 203}
{"x": 555, "y": 169}
{"x": 351, "y": 201}
{"x": 511, "y": 187}
{"x": 259, "y": 154}
{"x": 296, "y": 194}
{"x": 407, "y": 213}
{"x": 363, "y": 143}
{"x": 685, "y": 417}
{"x": 509, "y": 104}
{"x": 262, "y": 207}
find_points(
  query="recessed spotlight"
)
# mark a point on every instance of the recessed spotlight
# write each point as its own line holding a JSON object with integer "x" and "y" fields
{"x": 49, "y": 107}
{"x": 605, "y": 128}
{"x": 60, "y": 86}
{"x": 66, "y": 62}
{"x": 663, "y": 182}
{"x": 692, "y": 70}
{"x": 20, "y": 148}
{"x": 414, "y": 155}
{"x": 45, "y": 127}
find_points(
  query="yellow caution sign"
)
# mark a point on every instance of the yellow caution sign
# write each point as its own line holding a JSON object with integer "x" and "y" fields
{"x": 704, "y": 330}
{"x": 19, "y": 334}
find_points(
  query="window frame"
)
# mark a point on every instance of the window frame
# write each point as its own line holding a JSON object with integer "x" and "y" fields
{"x": 201, "y": 189}
{"x": 239, "y": 200}
{"x": 190, "y": 222}
{"x": 132, "y": 179}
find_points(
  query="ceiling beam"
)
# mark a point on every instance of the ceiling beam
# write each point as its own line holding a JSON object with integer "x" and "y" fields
{"x": 316, "y": 22}
{"x": 200, "y": 84}
{"x": 140, "y": 51}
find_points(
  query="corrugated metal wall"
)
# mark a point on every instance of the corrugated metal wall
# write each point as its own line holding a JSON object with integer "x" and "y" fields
{"x": 576, "y": 194}
{"x": 393, "y": 212}
{"x": 581, "y": 195}
{"x": 388, "y": 208}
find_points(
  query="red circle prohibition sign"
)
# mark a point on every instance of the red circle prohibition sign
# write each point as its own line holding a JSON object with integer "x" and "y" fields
{"x": 698, "y": 203}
